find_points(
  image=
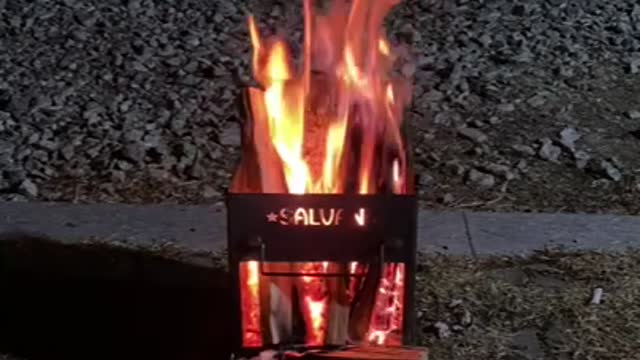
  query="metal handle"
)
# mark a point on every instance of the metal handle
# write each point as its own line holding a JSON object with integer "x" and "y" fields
{"x": 263, "y": 259}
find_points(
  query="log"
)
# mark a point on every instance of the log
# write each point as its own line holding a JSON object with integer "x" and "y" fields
{"x": 372, "y": 353}
{"x": 280, "y": 314}
{"x": 364, "y": 303}
{"x": 338, "y": 307}
{"x": 260, "y": 171}
{"x": 260, "y": 168}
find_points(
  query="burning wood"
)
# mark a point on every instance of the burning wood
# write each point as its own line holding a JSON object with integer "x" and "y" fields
{"x": 334, "y": 126}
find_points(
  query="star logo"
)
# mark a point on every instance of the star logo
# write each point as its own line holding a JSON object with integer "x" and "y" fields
{"x": 272, "y": 217}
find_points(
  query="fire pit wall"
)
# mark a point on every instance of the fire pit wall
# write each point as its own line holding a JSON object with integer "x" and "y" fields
{"x": 322, "y": 270}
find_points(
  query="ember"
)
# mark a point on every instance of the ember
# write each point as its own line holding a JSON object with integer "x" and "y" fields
{"x": 332, "y": 126}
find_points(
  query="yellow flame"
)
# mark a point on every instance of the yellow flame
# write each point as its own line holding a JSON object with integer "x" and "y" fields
{"x": 383, "y": 47}
{"x": 284, "y": 102}
{"x": 316, "y": 309}
{"x": 253, "y": 279}
{"x": 333, "y": 153}
{"x": 390, "y": 96}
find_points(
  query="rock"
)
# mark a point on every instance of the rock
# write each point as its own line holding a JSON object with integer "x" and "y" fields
{"x": 125, "y": 106}
{"x": 499, "y": 170}
{"x": 582, "y": 159}
{"x": 134, "y": 152}
{"x": 179, "y": 122}
{"x": 568, "y": 137}
{"x": 68, "y": 152}
{"x": 442, "y": 330}
{"x": 506, "y": 108}
{"x": 524, "y": 149}
{"x": 473, "y": 134}
{"x": 118, "y": 176}
{"x": 27, "y": 187}
{"x": 480, "y": 180}
{"x": 13, "y": 197}
{"x": 447, "y": 199}
{"x": 432, "y": 96}
{"x": 610, "y": 170}
{"x": 633, "y": 114}
{"x": 426, "y": 179}
{"x": 230, "y": 136}
{"x": 159, "y": 174}
{"x": 537, "y": 100}
{"x": 548, "y": 151}
{"x": 465, "y": 318}
{"x": 454, "y": 167}
{"x": 209, "y": 192}
{"x": 634, "y": 66}
{"x": 522, "y": 166}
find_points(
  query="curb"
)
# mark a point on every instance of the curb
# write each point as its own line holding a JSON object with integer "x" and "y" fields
{"x": 203, "y": 228}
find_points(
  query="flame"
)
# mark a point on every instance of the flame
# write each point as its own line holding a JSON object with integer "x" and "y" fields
{"x": 387, "y": 317}
{"x": 331, "y": 133}
{"x": 250, "y": 292}
{"x": 383, "y": 46}
{"x": 356, "y": 57}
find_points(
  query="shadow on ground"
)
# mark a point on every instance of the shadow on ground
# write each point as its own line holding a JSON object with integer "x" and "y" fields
{"x": 95, "y": 302}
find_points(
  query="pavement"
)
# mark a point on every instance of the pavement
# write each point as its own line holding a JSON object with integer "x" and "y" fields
{"x": 171, "y": 307}
{"x": 203, "y": 228}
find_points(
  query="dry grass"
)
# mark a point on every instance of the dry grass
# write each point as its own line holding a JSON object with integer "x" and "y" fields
{"x": 538, "y": 307}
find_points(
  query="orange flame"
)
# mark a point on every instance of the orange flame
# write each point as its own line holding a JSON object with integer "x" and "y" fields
{"x": 250, "y": 295}
{"x": 332, "y": 126}
{"x": 364, "y": 94}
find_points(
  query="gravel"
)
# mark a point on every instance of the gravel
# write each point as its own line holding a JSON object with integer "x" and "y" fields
{"x": 135, "y": 101}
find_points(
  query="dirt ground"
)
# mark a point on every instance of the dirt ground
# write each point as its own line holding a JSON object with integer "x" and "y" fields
{"x": 500, "y": 308}
{"x": 531, "y": 308}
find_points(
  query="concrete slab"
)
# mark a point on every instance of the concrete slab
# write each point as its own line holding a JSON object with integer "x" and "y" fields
{"x": 443, "y": 233}
{"x": 522, "y": 234}
{"x": 195, "y": 227}
{"x": 203, "y": 228}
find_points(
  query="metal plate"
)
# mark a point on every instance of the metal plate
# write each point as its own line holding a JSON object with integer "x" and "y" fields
{"x": 320, "y": 227}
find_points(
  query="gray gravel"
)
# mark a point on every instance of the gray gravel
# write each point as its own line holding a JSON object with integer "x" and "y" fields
{"x": 134, "y": 101}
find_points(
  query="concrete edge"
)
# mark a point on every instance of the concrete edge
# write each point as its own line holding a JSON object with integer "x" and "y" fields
{"x": 203, "y": 228}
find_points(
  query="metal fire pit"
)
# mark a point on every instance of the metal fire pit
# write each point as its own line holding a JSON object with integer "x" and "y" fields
{"x": 282, "y": 228}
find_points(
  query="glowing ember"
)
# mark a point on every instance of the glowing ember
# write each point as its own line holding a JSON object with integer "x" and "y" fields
{"x": 333, "y": 125}
{"x": 250, "y": 277}
{"x": 314, "y": 302}
{"x": 386, "y": 321}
